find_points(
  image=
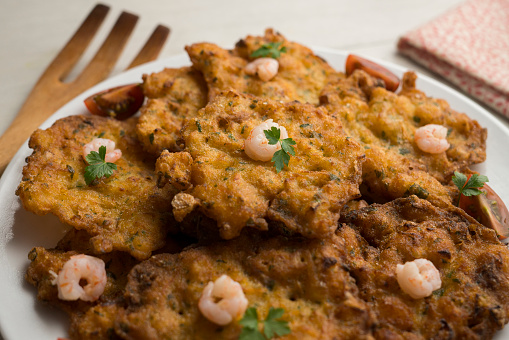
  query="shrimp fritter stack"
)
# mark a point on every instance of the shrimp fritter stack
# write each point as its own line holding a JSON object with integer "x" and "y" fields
{"x": 320, "y": 256}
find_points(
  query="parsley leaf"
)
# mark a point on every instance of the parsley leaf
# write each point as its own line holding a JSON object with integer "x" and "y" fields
{"x": 280, "y": 157}
{"x": 271, "y": 326}
{"x": 251, "y": 334}
{"x": 286, "y": 145}
{"x": 273, "y": 135}
{"x": 469, "y": 186}
{"x": 98, "y": 166}
{"x": 250, "y": 319}
{"x": 270, "y": 50}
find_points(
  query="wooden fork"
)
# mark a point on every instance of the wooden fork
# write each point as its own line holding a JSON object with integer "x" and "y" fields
{"x": 50, "y": 92}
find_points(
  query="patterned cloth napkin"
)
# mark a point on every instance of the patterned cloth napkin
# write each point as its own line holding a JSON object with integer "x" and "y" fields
{"x": 469, "y": 46}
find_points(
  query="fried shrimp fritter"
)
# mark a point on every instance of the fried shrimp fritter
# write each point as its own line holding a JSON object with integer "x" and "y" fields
{"x": 237, "y": 191}
{"x": 466, "y": 137}
{"x": 125, "y": 212}
{"x": 382, "y": 119}
{"x": 173, "y": 95}
{"x": 307, "y": 278}
{"x": 473, "y": 300}
{"x": 89, "y": 320}
{"x": 301, "y": 75}
{"x": 385, "y": 123}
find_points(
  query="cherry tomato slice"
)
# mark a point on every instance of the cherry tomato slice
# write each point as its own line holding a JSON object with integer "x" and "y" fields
{"x": 489, "y": 209}
{"x": 119, "y": 102}
{"x": 354, "y": 62}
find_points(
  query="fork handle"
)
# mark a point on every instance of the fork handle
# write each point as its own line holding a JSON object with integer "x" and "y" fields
{"x": 38, "y": 107}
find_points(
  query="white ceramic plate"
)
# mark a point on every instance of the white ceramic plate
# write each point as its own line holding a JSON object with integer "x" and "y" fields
{"x": 23, "y": 317}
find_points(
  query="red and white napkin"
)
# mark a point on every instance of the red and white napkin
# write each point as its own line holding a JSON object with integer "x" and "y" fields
{"x": 469, "y": 46}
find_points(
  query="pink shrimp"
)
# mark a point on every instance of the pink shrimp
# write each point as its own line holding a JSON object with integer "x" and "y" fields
{"x": 418, "y": 278}
{"x": 81, "y": 267}
{"x": 257, "y": 145}
{"x": 231, "y": 305}
{"x": 266, "y": 68}
{"x": 112, "y": 154}
{"x": 432, "y": 138}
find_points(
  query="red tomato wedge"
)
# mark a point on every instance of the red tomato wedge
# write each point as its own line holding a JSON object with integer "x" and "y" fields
{"x": 354, "y": 62}
{"x": 119, "y": 102}
{"x": 489, "y": 209}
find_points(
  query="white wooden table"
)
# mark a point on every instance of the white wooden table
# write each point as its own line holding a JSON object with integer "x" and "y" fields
{"x": 32, "y": 32}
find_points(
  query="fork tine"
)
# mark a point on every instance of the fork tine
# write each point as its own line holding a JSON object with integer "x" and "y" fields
{"x": 103, "y": 62}
{"x": 152, "y": 47}
{"x": 50, "y": 92}
{"x": 70, "y": 54}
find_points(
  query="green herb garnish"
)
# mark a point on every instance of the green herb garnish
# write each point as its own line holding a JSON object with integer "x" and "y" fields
{"x": 98, "y": 166}
{"x": 270, "y": 50}
{"x": 280, "y": 157}
{"x": 469, "y": 186}
{"x": 271, "y": 326}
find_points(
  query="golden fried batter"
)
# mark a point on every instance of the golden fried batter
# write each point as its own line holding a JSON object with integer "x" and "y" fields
{"x": 237, "y": 191}
{"x": 173, "y": 95}
{"x": 380, "y": 118}
{"x": 125, "y": 212}
{"x": 301, "y": 74}
{"x": 305, "y": 277}
{"x": 388, "y": 175}
{"x": 473, "y": 301}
